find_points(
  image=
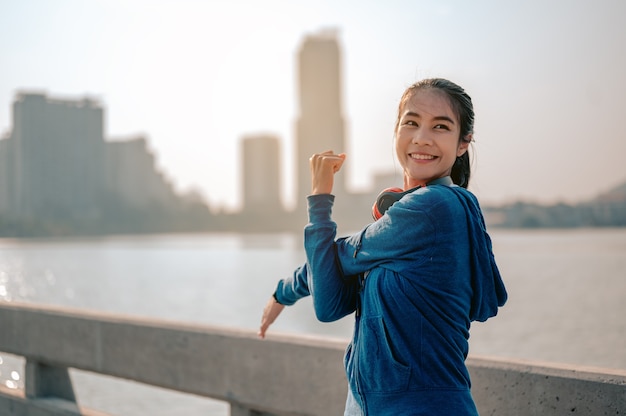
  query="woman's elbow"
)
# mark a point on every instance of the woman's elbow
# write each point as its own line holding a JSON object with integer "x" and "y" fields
{"x": 325, "y": 316}
{"x": 333, "y": 305}
{"x": 330, "y": 313}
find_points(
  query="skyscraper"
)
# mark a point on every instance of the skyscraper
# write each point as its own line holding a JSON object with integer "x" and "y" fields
{"x": 5, "y": 171}
{"x": 320, "y": 125}
{"x": 261, "y": 175}
{"x": 57, "y": 149}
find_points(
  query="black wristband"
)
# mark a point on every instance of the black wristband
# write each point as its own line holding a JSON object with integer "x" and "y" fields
{"x": 275, "y": 298}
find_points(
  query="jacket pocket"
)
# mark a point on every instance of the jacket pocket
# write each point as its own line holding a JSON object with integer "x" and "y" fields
{"x": 378, "y": 369}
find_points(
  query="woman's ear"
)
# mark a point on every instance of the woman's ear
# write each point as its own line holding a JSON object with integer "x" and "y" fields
{"x": 464, "y": 145}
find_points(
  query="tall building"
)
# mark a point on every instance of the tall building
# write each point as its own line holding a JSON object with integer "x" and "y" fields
{"x": 5, "y": 183}
{"x": 320, "y": 125}
{"x": 261, "y": 175}
{"x": 56, "y": 148}
{"x": 56, "y": 169}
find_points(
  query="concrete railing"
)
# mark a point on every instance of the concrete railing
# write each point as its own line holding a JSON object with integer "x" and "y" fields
{"x": 282, "y": 375}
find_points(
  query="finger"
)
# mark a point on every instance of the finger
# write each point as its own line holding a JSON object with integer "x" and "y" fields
{"x": 265, "y": 324}
{"x": 270, "y": 313}
{"x": 340, "y": 159}
{"x": 327, "y": 153}
{"x": 331, "y": 161}
{"x": 264, "y": 321}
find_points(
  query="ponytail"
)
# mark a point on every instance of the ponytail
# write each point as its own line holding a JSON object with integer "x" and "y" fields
{"x": 461, "y": 170}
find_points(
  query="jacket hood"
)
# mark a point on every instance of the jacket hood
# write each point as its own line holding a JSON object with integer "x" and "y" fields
{"x": 488, "y": 289}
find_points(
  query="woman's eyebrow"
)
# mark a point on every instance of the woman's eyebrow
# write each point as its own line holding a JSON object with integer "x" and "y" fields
{"x": 438, "y": 118}
{"x": 444, "y": 118}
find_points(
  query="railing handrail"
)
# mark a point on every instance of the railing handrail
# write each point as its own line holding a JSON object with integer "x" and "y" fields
{"x": 281, "y": 375}
{"x": 220, "y": 363}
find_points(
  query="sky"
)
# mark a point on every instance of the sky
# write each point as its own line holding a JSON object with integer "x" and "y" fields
{"x": 547, "y": 78}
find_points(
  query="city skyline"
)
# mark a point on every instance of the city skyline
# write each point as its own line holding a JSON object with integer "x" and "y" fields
{"x": 60, "y": 174}
{"x": 545, "y": 78}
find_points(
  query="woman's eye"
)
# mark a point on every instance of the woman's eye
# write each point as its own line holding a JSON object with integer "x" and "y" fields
{"x": 441, "y": 127}
{"x": 410, "y": 123}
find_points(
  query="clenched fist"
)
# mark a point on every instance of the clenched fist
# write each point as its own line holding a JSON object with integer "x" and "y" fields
{"x": 323, "y": 169}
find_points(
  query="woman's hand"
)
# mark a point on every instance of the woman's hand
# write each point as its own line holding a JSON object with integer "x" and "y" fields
{"x": 323, "y": 169}
{"x": 270, "y": 313}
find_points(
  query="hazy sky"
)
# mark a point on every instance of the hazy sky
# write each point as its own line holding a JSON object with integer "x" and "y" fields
{"x": 548, "y": 80}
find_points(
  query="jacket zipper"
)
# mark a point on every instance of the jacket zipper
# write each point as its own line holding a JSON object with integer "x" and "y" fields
{"x": 357, "y": 339}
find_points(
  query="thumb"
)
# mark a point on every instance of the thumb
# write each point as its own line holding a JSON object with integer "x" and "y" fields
{"x": 338, "y": 166}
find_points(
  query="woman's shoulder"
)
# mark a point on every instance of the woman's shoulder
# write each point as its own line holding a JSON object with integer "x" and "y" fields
{"x": 440, "y": 194}
{"x": 440, "y": 200}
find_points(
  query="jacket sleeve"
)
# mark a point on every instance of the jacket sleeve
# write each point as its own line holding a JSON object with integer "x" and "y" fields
{"x": 293, "y": 288}
{"x": 391, "y": 242}
{"x": 334, "y": 293}
{"x": 413, "y": 232}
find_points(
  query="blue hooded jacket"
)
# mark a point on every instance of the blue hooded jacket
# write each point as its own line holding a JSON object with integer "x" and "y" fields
{"x": 416, "y": 278}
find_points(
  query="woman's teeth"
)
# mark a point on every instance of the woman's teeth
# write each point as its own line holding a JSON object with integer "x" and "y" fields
{"x": 422, "y": 157}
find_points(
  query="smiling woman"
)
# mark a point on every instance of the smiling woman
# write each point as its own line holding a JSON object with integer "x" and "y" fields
{"x": 416, "y": 278}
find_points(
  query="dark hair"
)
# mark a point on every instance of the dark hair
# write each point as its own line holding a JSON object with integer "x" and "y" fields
{"x": 462, "y": 105}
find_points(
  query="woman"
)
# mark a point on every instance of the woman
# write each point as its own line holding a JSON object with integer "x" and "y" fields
{"x": 416, "y": 277}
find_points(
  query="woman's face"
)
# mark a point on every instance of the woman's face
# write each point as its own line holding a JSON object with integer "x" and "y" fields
{"x": 427, "y": 138}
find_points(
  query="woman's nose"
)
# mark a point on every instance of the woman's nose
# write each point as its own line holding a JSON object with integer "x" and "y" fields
{"x": 421, "y": 137}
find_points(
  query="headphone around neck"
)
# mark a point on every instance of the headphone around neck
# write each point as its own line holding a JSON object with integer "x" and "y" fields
{"x": 390, "y": 196}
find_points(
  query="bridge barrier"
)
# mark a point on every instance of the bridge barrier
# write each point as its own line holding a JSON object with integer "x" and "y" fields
{"x": 281, "y": 376}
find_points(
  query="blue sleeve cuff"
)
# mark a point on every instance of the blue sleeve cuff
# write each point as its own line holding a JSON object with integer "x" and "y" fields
{"x": 320, "y": 207}
{"x": 279, "y": 295}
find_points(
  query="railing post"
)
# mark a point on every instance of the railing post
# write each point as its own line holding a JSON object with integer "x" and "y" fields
{"x": 43, "y": 380}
